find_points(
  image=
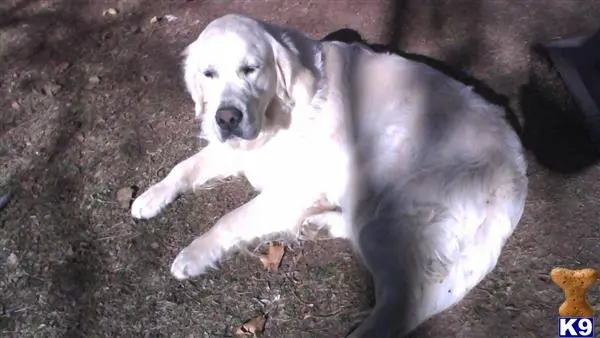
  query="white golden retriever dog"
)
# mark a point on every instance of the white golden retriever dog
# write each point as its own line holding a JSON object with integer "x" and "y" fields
{"x": 425, "y": 178}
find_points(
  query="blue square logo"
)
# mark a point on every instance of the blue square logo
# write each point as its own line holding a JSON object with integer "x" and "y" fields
{"x": 572, "y": 327}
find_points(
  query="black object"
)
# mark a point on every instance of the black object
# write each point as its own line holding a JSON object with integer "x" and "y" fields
{"x": 5, "y": 196}
{"x": 577, "y": 60}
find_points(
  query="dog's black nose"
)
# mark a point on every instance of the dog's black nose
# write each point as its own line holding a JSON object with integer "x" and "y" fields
{"x": 228, "y": 118}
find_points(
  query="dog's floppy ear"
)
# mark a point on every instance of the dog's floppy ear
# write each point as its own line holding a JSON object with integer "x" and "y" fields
{"x": 193, "y": 77}
{"x": 296, "y": 83}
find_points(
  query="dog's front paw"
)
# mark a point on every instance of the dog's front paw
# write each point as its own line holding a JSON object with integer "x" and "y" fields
{"x": 193, "y": 260}
{"x": 152, "y": 201}
{"x": 326, "y": 225}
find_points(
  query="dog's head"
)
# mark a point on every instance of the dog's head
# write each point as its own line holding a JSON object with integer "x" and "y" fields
{"x": 234, "y": 70}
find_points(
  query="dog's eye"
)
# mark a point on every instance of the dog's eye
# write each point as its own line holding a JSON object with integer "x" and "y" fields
{"x": 247, "y": 70}
{"x": 209, "y": 73}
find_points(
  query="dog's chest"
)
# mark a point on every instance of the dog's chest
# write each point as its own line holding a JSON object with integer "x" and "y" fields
{"x": 309, "y": 160}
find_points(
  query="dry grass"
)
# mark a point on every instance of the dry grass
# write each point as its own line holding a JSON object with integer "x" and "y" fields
{"x": 93, "y": 103}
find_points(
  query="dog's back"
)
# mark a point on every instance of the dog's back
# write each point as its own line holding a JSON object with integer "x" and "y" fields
{"x": 439, "y": 184}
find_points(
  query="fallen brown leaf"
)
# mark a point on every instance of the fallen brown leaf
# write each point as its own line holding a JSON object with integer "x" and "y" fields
{"x": 272, "y": 258}
{"x": 124, "y": 196}
{"x": 251, "y": 327}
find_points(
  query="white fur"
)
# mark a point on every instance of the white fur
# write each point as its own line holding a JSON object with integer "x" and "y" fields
{"x": 302, "y": 155}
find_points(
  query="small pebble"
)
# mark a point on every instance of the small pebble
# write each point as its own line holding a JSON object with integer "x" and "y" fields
{"x": 170, "y": 17}
{"x": 12, "y": 260}
{"x": 111, "y": 11}
{"x": 135, "y": 29}
{"x": 62, "y": 67}
{"x": 80, "y": 136}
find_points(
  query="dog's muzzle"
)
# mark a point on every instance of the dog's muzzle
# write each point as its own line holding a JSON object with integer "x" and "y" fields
{"x": 228, "y": 120}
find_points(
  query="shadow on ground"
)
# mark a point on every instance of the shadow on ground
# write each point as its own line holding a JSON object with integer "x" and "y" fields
{"x": 70, "y": 135}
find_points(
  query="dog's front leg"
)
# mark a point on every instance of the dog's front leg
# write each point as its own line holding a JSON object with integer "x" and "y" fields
{"x": 268, "y": 213}
{"x": 211, "y": 162}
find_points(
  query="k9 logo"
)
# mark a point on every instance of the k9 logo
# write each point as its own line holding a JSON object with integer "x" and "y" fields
{"x": 575, "y": 327}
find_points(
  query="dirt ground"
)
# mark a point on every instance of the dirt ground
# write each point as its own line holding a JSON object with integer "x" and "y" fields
{"x": 92, "y": 100}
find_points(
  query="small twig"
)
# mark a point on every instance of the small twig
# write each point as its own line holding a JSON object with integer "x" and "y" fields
{"x": 190, "y": 296}
{"x": 311, "y": 305}
{"x": 576, "y": 258}
{"x": 296, "y": 294}
{"x": 300, "y": 300}
{"x": 5, "y": 197}
{"x": 22, "y": 309}
{"x": 327, "y": 315}
{"x": 34, "y": 277}
{"x": 106, "y": 238}
{"x": 510, "y": 308}
{"x": 263, "y": 305}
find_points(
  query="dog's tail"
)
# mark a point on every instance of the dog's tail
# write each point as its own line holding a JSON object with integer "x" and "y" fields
{"x": 387, "y": 244}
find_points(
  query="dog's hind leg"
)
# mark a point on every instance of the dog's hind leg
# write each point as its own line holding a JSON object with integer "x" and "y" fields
{"x": 386, "y": 240}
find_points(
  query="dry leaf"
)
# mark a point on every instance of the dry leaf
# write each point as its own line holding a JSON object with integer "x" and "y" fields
{"x": 251, "y": 327}
{"x": 124, "y": 196}
{"x": 272, "y": 258}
